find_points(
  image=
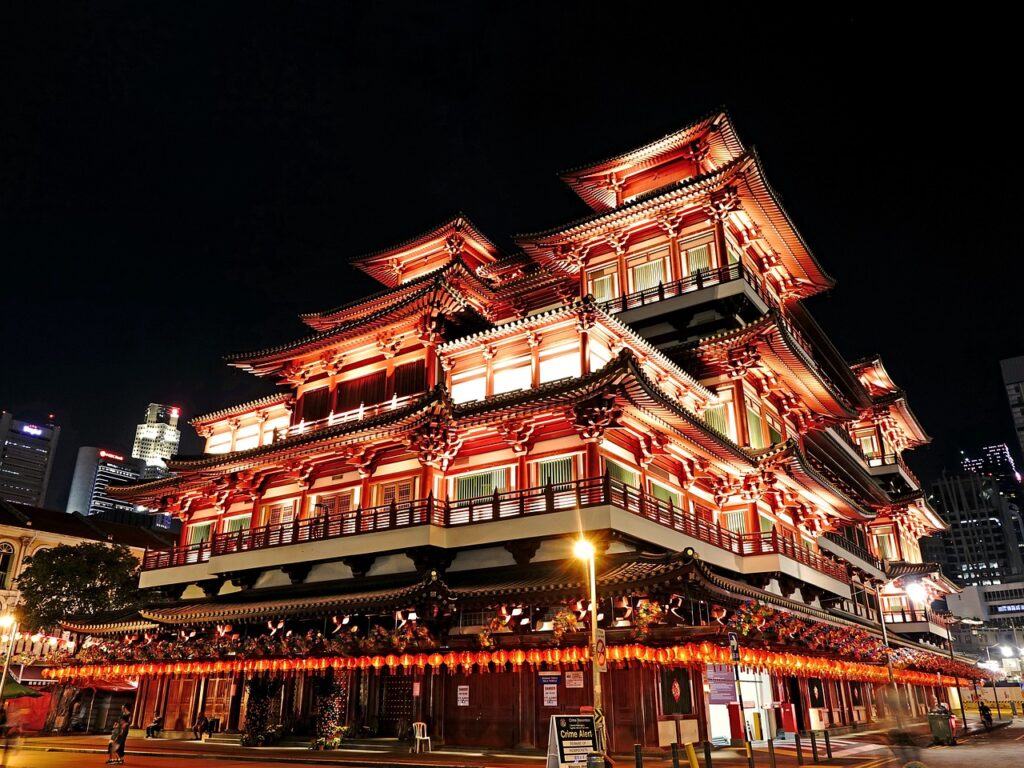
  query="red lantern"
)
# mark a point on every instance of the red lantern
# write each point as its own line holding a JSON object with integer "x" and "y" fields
{"x": 391, "y": 660}
{"x": 435, "y": 660}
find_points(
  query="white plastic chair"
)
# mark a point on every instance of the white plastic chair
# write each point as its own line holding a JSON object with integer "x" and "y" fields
{"x": 419, "y": 733}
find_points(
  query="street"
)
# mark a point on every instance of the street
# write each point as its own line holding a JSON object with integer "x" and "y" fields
{"x": 993, "y": 750}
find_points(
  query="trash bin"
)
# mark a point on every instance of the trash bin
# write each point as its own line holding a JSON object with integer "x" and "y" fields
{"x": 595, "y": 760}
{"x": 942, "y": 729}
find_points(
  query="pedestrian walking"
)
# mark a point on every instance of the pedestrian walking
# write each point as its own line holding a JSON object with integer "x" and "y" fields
{"x": 112, "y": 745}
{"x": 122, "y": 738}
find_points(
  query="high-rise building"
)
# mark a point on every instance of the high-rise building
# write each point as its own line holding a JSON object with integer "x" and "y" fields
{"x": 156, "y": 439}
{"x": 95, "y": 469}
{"x": 1013, "y": 380}
{"x": 997, "y": 463}
{"x": 26, "y": 458}
{"x": 982, "y": 544}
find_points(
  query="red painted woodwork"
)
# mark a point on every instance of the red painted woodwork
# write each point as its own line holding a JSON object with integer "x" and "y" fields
{"x": 489, "y": 720}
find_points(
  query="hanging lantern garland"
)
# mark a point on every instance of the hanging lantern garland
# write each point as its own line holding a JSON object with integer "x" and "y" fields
{"x": 688, "y": 655}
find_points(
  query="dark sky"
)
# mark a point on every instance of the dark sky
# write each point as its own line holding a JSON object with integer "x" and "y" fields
{"x": 178, "y": 181}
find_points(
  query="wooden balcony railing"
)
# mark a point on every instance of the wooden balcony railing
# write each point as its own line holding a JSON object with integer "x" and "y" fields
{"x": 356, "y": 414}
{"x": 168, "y": 558}
{"x": 854, "y": 549}
{"x": 703, "y": 278}
{"x": 501, "y": 505}
{"x": 894, "y": 460}
{"x": 911, "y": 615}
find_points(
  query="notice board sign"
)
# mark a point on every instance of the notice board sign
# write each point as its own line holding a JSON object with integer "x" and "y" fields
{"x": 462, "y": 696}
{"x": 549, "y": 687}
{"x": 722, "y": 684}
{"x": 574, "y": 678}
{"x": 570, "y": 739}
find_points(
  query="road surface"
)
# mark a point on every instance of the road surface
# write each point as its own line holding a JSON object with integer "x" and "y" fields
{"x": 1003, "y": 748}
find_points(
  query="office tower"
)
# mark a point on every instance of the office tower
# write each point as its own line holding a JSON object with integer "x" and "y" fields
{"x": 156, "y": 439}
{"x": 95, "y": 469}
{"x": 26, "y": 458}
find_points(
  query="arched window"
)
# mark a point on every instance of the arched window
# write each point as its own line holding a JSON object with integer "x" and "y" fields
{"x": 6, "y": 563}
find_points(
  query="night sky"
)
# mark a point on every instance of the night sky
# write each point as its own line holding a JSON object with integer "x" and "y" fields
{"x": 178, "y": 181}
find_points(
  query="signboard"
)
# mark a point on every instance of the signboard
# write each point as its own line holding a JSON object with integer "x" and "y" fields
{"x": 734, "y": 646}
{"x": 570, "y": 739}
{"x": 462, "y": 696}
{"x": 601, "y": 652}
{"x": 416, "y": 688}
{"x": 574, "y": 678}
{"x": 549, "y": 688}
{"x": 721, "y": 683}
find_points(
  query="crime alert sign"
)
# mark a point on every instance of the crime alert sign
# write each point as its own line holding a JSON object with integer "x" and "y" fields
{"x": 570, "y": 739}
{"x": 601, "y": 652}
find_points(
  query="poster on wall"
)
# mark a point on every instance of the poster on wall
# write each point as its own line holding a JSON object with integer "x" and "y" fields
{"x": 675, "y": 692}
{"x": 574, "y": 678}
{"x": 462, "y": 696}
{"x": 816, "y": 692}
{"x": 722, "y": 684}
{"x": 549, "y": 688}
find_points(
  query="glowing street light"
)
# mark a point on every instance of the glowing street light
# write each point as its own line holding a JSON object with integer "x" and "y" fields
{"x": 584, "y": 550}
{"x": 917, "y": 593}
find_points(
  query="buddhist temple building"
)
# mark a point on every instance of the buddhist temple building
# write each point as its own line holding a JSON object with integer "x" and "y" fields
{"x": 389, "y": 539}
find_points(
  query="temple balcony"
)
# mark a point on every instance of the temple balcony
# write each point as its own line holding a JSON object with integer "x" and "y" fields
{"x": 546, "y": 512}
{"x": 334, "y": 419}
{"x": 893, "y": 472}
{"x": 698, "y": 305}
{"x": 853, "y": 553}
{"x": 921, "y": 623}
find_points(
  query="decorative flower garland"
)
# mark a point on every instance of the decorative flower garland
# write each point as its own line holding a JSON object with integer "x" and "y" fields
{"x": 646, "y": 614}
{"x": 753, "y": 618}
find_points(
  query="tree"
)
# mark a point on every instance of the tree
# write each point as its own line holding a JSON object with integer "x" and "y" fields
{"x": 78, "y": 581}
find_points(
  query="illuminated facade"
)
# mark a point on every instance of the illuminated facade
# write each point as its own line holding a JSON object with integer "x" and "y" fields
{"x": 649, "y": 375}
{"x": 156, "y": 439}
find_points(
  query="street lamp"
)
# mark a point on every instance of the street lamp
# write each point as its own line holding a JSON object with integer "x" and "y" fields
{"x": 584, "y": 550}
{"x": 7, "y": 622}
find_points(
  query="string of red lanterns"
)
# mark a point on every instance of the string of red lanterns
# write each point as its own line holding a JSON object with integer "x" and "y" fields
{"x": 689, "y": 655}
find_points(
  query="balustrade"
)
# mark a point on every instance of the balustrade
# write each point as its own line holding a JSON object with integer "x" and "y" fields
{"x": 501, "y": 505}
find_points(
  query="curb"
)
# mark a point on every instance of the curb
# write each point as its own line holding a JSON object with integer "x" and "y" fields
{"x": 351, "y": 762}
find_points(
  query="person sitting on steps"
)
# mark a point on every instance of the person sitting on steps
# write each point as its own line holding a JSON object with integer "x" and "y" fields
{"x": 199, "y": 727}
{"x": 155, "y": 727}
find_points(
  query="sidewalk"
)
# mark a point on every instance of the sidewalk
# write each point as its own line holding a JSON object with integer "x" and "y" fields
{"x": 457, "y": 757}
{"x": 443, "y": 757}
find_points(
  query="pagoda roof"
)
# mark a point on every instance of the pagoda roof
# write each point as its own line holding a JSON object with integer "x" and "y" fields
{"x": 108, "y": 623}
{"x": 453, "y": 271}
{"x": 242, "y": 408}
{"x": 429, "y": 250}
{"x": 759, "y": 200}
{"x": 723, "y": 145}
{"x": 873, "y": 376}
{"x": 433, "y": 296}
{"x": 803, "y": 470}
{"x": 786, "y": 354}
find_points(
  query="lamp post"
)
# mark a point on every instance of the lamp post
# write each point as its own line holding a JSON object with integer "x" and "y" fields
{"x": 7, "y": 622}
{"x": 888, "y": 657}
{"x": 584, "y": 550}
{"x": 959, "y": 694}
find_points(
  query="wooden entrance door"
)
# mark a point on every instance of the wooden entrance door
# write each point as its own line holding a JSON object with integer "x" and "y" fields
{"x": 395, "y": 718}
{"x": 218, "y": 700}
{"x": 486, "y": 717}
{"x": 178, "y": 710}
